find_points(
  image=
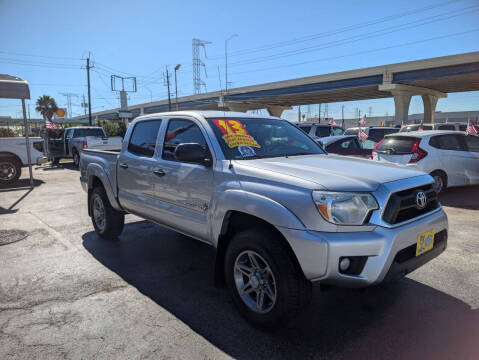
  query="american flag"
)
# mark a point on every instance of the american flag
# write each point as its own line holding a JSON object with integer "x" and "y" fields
{"x": 50, "y": 124}
{"x": 362, "y": 135}
{"x": 471, "y": 130}
{"x": 332, "y": 122}
{"x": 362, "y": 121}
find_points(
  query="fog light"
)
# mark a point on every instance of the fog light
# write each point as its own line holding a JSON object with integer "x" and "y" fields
{"x": 344, "y": 264}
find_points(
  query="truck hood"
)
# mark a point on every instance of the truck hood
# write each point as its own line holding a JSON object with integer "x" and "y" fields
{"x": 333, "y": 172}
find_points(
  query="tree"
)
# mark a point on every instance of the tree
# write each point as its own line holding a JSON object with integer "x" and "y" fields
{"x": 47, "y": 106}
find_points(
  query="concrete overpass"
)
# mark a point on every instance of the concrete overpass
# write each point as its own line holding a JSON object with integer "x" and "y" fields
{"x": 431, "y": 78}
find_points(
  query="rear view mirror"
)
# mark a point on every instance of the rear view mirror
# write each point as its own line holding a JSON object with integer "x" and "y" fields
{"x": 192, "y": 153}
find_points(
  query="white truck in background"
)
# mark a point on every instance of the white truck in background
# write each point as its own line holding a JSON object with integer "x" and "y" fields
{"x": 13, "y": 156}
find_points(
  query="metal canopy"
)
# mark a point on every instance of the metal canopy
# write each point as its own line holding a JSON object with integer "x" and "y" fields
{"x": 12, "y": 87}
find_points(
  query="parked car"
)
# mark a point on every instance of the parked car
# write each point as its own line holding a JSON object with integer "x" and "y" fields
{"x": 70, "y": 142}
{"x": 280, "y": 212}
{"x": 13, "y": 156}
{"x": 317, "y": 130}
{"x": 375, "y": 133}
{"x": 450, "y": 157}
{"x": 348, "y": 145}
{"x": 456, "y": 126}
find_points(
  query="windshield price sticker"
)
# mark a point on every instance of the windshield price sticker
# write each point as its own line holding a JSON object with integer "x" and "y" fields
{"x": 234, "y": 133}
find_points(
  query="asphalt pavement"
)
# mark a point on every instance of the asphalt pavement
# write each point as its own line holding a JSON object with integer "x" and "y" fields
{"x": 67, "y": 294}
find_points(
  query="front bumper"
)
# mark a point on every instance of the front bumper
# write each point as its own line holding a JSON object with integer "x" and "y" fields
{"x": 319, "y": 253}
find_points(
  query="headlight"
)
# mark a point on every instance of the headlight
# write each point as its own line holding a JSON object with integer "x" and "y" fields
{"x": 344, "y": 208}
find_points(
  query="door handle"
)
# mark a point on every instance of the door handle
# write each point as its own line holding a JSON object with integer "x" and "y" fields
{"x": 124, "y": 166}
{"x": 159, "y": 172}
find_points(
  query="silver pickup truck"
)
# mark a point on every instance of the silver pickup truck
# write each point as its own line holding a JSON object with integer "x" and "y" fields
{"x": 280, "y": 212}
{"x": 70, "y": 142}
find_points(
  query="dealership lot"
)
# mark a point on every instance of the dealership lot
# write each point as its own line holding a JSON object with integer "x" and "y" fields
{"x": 65, "y": 293}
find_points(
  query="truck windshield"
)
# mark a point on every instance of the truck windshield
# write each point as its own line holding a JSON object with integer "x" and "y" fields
{"x": 98, "y": 132}
{"x": 249, "y": 138}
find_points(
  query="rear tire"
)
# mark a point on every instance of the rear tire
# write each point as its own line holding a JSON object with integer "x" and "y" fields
{"x": 440, "y": 181}
{"x": 278, "y": 289}
{"x": 108, "y": 222}
{"x": 76, "y": 158}
{"x": 10, "y": 170}
{"x": 56, "y": 161}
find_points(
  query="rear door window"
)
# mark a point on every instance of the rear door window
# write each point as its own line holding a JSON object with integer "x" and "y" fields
{"x": 337, "y": 131}
{"x": 323, "y": 131}
{"x": 143, "y": 139}
{"x": 88, "y": 132}
{"x": 306, "y": 129}
{"x": 472, "y": 143}
{"x": 446, "y": 142}
{"x": 397, "y": 144}
{"x": 351, "y": 132}
{"x": 446, "y": 127}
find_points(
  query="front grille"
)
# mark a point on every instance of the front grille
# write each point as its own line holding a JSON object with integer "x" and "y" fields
{"x": 402, "y": 204}
{"x": 410, "y": 252}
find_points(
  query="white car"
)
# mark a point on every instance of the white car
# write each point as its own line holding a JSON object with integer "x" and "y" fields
{"x": 450, "y": 157}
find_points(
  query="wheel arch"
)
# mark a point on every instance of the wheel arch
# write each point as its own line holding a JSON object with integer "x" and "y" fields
{"x": 235, "y": 221}
{"x": 442, "y": 172}
{"x": 7, "y": 154}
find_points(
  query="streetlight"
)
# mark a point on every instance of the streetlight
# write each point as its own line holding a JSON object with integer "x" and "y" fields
{"x": 226, "y": 60}
{"x": 176, "y": 86}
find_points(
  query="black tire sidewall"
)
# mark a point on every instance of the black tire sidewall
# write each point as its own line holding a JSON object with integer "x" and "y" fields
{"x": 18, "y": 171}
{"x": 114, "y": 220}
{"x": 76, "y": 158}
{"x": 261, "y": 242}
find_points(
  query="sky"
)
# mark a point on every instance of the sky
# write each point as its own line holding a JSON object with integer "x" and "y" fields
{"x": 46, "y": 42}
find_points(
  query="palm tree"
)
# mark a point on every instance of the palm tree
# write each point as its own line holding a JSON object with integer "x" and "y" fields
{"x": 47, "y": 106}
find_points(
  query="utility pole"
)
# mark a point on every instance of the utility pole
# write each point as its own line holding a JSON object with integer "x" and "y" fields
{"x": 342, "y": 116}
{"x": 168, "y": 85}
{"x": 299, "y": 113}
{"x": 84, "y": 104}
{"x": 370, "y": 111}
{"x": 319, "y": 113}
{"x": 176, "y": 86}
{"x": 89, "y": 93}
{"x": 226, "y": 61}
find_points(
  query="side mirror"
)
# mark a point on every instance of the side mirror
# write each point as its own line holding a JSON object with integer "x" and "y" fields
{"x": 192, "y": 153}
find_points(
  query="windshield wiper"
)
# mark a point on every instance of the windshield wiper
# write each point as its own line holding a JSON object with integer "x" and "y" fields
{"x": 303, "y": 153}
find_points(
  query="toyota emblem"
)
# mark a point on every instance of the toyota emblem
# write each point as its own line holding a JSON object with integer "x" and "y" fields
{"x": 421, "y": 200}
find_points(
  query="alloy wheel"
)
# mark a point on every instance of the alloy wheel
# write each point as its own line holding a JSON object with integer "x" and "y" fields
{"x": 8, "y": 171}
{"x": 255, "y": 282}
{"x": 99, "y": 213}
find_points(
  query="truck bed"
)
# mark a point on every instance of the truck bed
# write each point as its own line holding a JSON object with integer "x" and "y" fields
{"x": 105, "y": 161}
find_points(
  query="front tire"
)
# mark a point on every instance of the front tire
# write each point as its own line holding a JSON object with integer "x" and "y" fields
{"x": 10, "y": 170}
{"x": 266, "y": 285}
{"x": 108, "y": 222}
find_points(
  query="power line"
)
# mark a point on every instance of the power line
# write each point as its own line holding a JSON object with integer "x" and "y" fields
{"x": 39, "y": 56}
{"x": 358, "y": 53}
{"x": 337, "y": 31}
{"x": 355, "y": 38}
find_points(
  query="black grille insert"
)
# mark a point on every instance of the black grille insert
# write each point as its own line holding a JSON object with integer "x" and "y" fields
{"x": 402, "y": 204}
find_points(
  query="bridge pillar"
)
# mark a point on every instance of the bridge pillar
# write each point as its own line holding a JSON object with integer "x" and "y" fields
{"x": 277, "y": 110}
{"x": 429, "y": 102}
{"x": 402, "y": 97}
{"x": 401, "y": 105}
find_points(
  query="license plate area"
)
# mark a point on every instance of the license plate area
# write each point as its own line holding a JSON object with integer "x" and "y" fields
{"x": 425, "y": 242}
